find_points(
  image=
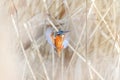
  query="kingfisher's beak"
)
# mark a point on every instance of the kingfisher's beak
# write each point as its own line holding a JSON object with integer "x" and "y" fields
{"x": 66, "y": 31}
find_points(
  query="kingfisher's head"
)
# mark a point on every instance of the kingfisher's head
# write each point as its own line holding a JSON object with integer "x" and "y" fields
{"x": 60, "y": 32}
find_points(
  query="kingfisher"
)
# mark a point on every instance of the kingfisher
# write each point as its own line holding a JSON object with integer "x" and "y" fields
{"x": 57, "y": 40}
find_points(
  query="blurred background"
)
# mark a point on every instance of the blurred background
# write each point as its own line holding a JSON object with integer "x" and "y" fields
{"x": 93, "y": 52}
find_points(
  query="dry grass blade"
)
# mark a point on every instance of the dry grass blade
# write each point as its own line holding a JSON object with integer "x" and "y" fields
{"x": 21, "y": 44}
{"x": 93, "y": 51}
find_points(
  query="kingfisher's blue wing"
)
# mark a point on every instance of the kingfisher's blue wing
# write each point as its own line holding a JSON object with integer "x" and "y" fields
{"x": 48, "y": 36}
{"x": 65, "y": 42}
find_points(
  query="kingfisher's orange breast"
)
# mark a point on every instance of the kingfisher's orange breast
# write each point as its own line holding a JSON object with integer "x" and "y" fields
{"x": 58, "y": 43}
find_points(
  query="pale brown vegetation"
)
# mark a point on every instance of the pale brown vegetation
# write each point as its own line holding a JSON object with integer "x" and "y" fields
{"x": 93, "y": 51}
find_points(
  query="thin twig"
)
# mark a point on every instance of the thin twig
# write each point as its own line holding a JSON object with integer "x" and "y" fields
{"x": 21, "y": 44}
{"x": 24, "y": 71}
{"x": 37, "y": 49}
